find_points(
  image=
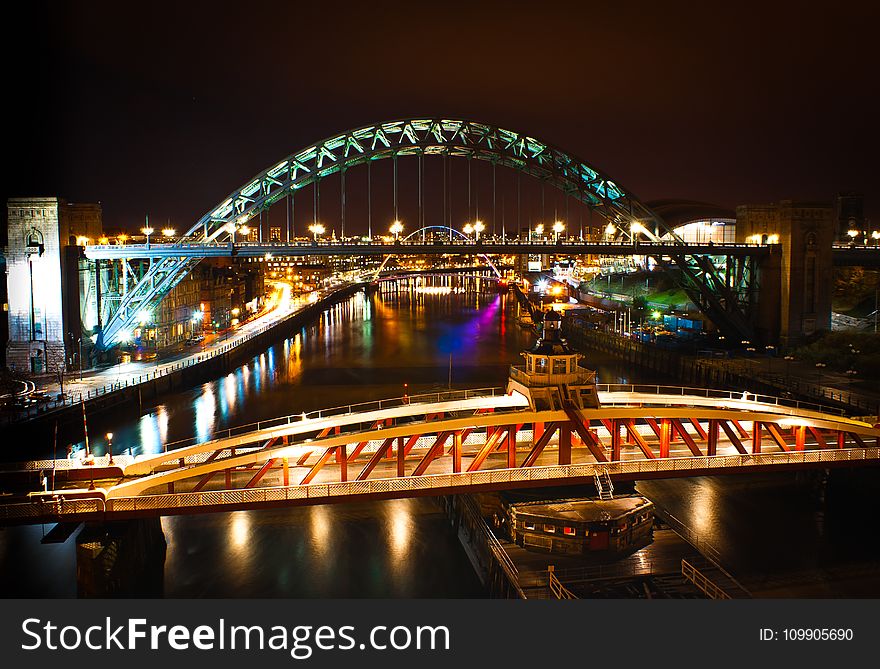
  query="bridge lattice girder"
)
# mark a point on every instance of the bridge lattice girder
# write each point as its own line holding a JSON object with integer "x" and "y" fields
{"x": 408, "y": 137}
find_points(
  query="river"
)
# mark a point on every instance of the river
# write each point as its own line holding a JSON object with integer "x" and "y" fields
{"x": 386, "y": 344}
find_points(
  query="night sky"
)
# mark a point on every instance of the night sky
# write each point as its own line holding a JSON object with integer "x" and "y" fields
{"x": 164, "y": 108}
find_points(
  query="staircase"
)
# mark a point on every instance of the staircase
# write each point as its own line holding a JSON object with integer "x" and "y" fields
{"x": 604, "y": 486}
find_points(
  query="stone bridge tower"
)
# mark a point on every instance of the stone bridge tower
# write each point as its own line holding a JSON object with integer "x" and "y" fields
{"x": 796, "y": 285}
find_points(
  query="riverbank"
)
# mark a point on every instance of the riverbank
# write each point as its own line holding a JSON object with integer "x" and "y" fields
{"x": 150, "y": 386}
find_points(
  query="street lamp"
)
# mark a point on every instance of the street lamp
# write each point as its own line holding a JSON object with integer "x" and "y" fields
{"x": 244, "y": 231}
{"x": 316, "y": 229}
{"x": 396, "y": 228}
{"x": 168, "y": 232}
{"x": 147, "y": 230}
{"x": 478, "y": 228}
{"x": 558, "y": 227}
{"x": 467, "y": 229}
{"x": 539, "y": 230}
{"x": 122, "y": 238}
{"x": 110, "y": 446}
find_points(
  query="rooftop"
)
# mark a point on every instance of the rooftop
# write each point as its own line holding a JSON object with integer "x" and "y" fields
{"x": 583, "y": 510}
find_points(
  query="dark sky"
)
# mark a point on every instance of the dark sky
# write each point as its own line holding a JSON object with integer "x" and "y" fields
{"x": 167, "y": 107}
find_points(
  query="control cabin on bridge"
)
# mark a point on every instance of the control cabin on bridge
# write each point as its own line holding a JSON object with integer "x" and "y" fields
{"x": 552, "y": 375}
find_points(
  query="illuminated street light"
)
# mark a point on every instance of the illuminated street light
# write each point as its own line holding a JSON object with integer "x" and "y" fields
{"x": 558, "y": 227}
{"x": 103, "y": 241}
{"x": 478, "y": 228}
{"x": 316, "y": 229}
{"x": 539, "y": 230}
{"x": 168, "y": 232}
{"x": 110, "y": 446}
{"x": 147, "y": 230}
{"x": 143, "y": 316}
{"x": 122, "y": 238}
{"x": 82, "y": 240}
{"x": 852, "y": 233}
{"x": 396, "y": 228}
{"x": 467, "y": 229}
{"x": 610, "y": 229}
{"x": 244, "y": 231}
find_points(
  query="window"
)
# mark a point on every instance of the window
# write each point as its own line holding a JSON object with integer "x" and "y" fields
{"x": 274, "y": 234}
{"x": 551, "y": 529}
{"x": 569, "y": 531}
{"x": 529, "y": 526}
{"x": 560, "y": 366}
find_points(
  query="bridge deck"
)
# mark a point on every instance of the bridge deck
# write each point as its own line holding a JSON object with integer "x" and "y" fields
{"x": 473, "y": 443}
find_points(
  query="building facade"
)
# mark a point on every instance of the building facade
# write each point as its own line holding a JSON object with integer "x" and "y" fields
{"x": 45, "y": 278}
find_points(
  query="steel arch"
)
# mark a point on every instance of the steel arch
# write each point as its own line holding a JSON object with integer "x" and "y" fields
{"x": 413, "y": 137}
{"x": 427, "y": 136}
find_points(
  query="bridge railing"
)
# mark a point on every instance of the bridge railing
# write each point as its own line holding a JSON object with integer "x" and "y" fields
{"x": 344, "y": 410}
{"x": 711, "y": 393}
{"x": 46, "y": 506}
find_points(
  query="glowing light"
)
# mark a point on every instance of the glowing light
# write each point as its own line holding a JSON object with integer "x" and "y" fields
{"x": 168, "y": 232}
{"x": 875, "y": 234}
{"x": 396, "y": 228}
{"x": 244, "y": 230}
{"x": 82, "y": 241}
{"x": 103, "y": 241}
{"x": 143, "y": 316}
{"x": 853, "y": 233}
{"x": 147, "y": 230}
{"x": 122, "y": 238}
{"x": 558, "y": 226}
{"x": 773, "y": 239}
{"x": 239, "y": 529}
{"x": 316, "y": 229}
{"x": 198, "y": 316}
{"x": 656, "y": 315}
{"x": 468, "y": 229}
{"x": 636, "y": 228}
{"x": 610, "y": 229}
{"x": 539, "y": 229}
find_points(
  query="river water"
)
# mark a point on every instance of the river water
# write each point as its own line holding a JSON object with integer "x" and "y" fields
{"x": 389, "y": 344}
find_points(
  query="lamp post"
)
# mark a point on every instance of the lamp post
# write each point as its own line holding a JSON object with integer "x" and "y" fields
{"x": 395, "y": 229}
{"x": 147, "y": 230}
{"x": 110, "y": 446}
{"x": 558, "y": 227}
{"x": 168, "y": 232}
{"x": 819, "y": 367}
{"x": 478, "y": 228}
{"x": 539, "y": 230}
{"x": 467, "y": 229}
{"x": 80, "y": 342}
{"x": 788, "y": 360}
{"x": 770, "y": 352}
{"x": 316, "y": 229}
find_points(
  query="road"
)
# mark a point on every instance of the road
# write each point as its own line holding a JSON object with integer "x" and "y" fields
{"x": 280, "y": 304}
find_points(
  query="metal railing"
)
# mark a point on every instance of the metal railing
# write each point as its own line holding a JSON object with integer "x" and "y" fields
{"x": 580, "y": 376}
{"x": 343, "y": 410}
{"x": 558, "y": 590}
{"x": 702, "y": 582}
{"x": 322, "y": 492}
{"x": 712, "y": 393}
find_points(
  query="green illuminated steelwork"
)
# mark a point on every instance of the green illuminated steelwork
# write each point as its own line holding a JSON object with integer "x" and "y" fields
{"x": 424, "y": 137}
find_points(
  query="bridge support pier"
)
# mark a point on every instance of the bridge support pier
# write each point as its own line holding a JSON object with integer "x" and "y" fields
{"x": 121, "y": 559}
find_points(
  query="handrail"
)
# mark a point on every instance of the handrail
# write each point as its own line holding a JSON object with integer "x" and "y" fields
{"x": 321, "y": 492}
{"x": 556, "y": 587}
{"x": 702, "y": 582}
{"x": 713, "y": 393}
{"x": 344, "y": 410}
